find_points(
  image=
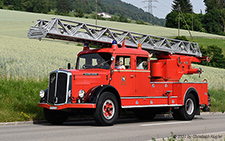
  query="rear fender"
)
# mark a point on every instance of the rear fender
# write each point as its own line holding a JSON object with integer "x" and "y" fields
{"x": 193, "y": 91}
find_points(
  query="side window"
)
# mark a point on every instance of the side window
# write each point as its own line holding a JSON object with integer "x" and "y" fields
{"x": 142, "y": 63}
{"x": 82, "y": 61}
{"x": 94, "y": 62}
{"x": 122, "y": 62}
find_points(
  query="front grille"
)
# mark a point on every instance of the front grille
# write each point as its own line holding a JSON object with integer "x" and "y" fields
{"x": 61, "y": 88}
{"x": 58, "y": 88}
{"x": 52, "y": 81}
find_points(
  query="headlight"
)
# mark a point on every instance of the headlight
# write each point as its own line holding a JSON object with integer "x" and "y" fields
{"x": 42, "y": 93}
{"x": 81, "y": 93}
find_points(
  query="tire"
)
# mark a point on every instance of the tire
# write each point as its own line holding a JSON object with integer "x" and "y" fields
{"x": 55, "y": 117}
{"x": 107, "y": 109}
{"x": 145, "y": 113}
{"x": 186, "y": 112}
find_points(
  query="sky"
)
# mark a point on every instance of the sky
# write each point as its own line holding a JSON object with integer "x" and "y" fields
{"x": 163, "y": 7}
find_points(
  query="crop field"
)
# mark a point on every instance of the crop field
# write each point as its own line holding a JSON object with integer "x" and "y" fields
{"x": 23, "y": 58}
{"x": 214, "y": 76}
{"x": 204, "y": 42}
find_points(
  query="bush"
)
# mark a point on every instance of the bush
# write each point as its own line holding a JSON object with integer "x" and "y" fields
{"x": 183, "y": 38}
{"x": 140, "y": 22}
{"x": 217, "y": 100}
{"x": 217, "y": 59}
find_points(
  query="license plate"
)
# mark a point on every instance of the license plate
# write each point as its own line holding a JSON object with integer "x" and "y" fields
{"x": 53, "y": 108}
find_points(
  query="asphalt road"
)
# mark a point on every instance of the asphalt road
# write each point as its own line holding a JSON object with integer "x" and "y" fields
{"x": 207, "y": 126}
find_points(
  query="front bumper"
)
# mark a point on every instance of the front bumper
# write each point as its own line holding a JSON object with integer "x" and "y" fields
{"x": 66, "y": 106}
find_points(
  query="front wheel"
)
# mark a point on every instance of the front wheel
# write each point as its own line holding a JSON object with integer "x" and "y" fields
{"x": 186, "y": 112}
{"x": 107, "y": 109}
{"x": 55, "y": 117}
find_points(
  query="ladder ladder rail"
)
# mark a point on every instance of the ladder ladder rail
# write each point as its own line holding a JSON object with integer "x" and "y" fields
{"x": 84, "y": 32}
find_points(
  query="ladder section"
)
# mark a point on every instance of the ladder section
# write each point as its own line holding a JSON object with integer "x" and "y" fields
{"x": 98, "y": 35}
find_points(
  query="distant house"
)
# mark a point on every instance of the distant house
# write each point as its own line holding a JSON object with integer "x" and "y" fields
{"x": 104, "y": 15}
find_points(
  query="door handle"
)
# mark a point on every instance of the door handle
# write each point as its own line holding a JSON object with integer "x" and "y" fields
{"x": 132, "y": 76}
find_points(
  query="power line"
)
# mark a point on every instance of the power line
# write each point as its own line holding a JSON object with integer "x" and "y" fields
{"x": 164, "y": 5}
{"x": 150, "y": 8}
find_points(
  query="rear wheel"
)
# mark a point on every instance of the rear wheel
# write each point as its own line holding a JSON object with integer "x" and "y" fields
{"x": 55, "y": 117}
{"x": 107, "y": 109}
{"x": 186, "y": 112}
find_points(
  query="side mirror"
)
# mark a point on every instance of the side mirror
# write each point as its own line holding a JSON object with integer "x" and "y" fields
{"x": 68, "y": 66}
{"x": 112, "y": 58}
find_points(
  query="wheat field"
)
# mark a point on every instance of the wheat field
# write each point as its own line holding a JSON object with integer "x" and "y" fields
{"x": 23, "y": 58}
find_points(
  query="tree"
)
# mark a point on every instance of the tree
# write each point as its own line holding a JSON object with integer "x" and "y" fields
{"x": 62, "y": 7}
{"x": 211, "y": 22}
{"x": 171, "y": 19}
{"x": 185, "y": 9}
{"x": 214, "y": 19}
{"x": 123, "y": 18}
{"x": 1, "y": 4}
{"x": 217, "y": 59}
{"x": 185, "y": 6}
{"x": 214, "y": 4}
{"x": 79, "y": 13}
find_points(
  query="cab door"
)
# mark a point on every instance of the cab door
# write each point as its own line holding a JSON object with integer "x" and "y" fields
{"x": 124, "y": 79}
{"x": 142, "y": 79}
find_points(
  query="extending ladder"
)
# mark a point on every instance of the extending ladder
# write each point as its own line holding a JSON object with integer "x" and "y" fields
{"x": 98, "y": 35}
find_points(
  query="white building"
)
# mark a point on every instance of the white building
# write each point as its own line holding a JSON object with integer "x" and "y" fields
{"x": 104, "y": 15}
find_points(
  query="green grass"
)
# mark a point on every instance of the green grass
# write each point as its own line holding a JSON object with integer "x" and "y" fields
{"x": 217, "y": 100}
{"x": 19, "y": 99}
{"x": 211, "y": 41}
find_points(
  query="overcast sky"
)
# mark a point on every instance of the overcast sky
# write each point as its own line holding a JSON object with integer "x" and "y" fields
{"x": 163, "y": 7}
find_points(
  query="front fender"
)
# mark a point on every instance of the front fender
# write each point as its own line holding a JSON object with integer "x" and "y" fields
{"x": 94, "y": 93}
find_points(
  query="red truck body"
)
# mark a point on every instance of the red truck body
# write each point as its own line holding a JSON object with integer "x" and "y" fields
{"x": 156, "y": 86}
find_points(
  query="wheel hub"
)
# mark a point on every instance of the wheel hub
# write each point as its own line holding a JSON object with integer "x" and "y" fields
{"x": 108, "y": 109}
{"x": 189, "y": 106}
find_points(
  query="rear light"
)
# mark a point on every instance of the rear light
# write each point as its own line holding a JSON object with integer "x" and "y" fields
{"x": 209, "y": 100}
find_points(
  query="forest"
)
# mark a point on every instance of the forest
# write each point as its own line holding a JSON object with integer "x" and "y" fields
{"x": 121, "y": 11}
{"x": 213, "y": 21}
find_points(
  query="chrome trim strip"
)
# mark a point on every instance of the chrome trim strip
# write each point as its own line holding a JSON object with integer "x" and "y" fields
{"x": 67, "y": 89}
{"x": 178, "y": 82}
{"x": 68, "y": 85}
{"x": 145, "y": 106}
{"x": 119, "y": 70}
{"x": 147, "y": 97}
{"x": 56, "y": 84}
{"x": 143, "y": 97}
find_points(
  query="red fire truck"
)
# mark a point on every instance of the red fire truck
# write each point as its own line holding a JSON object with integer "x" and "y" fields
{"x": 121, "y": 75}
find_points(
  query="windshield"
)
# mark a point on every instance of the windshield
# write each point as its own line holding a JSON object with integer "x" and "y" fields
{"x": 94, "y": 60}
